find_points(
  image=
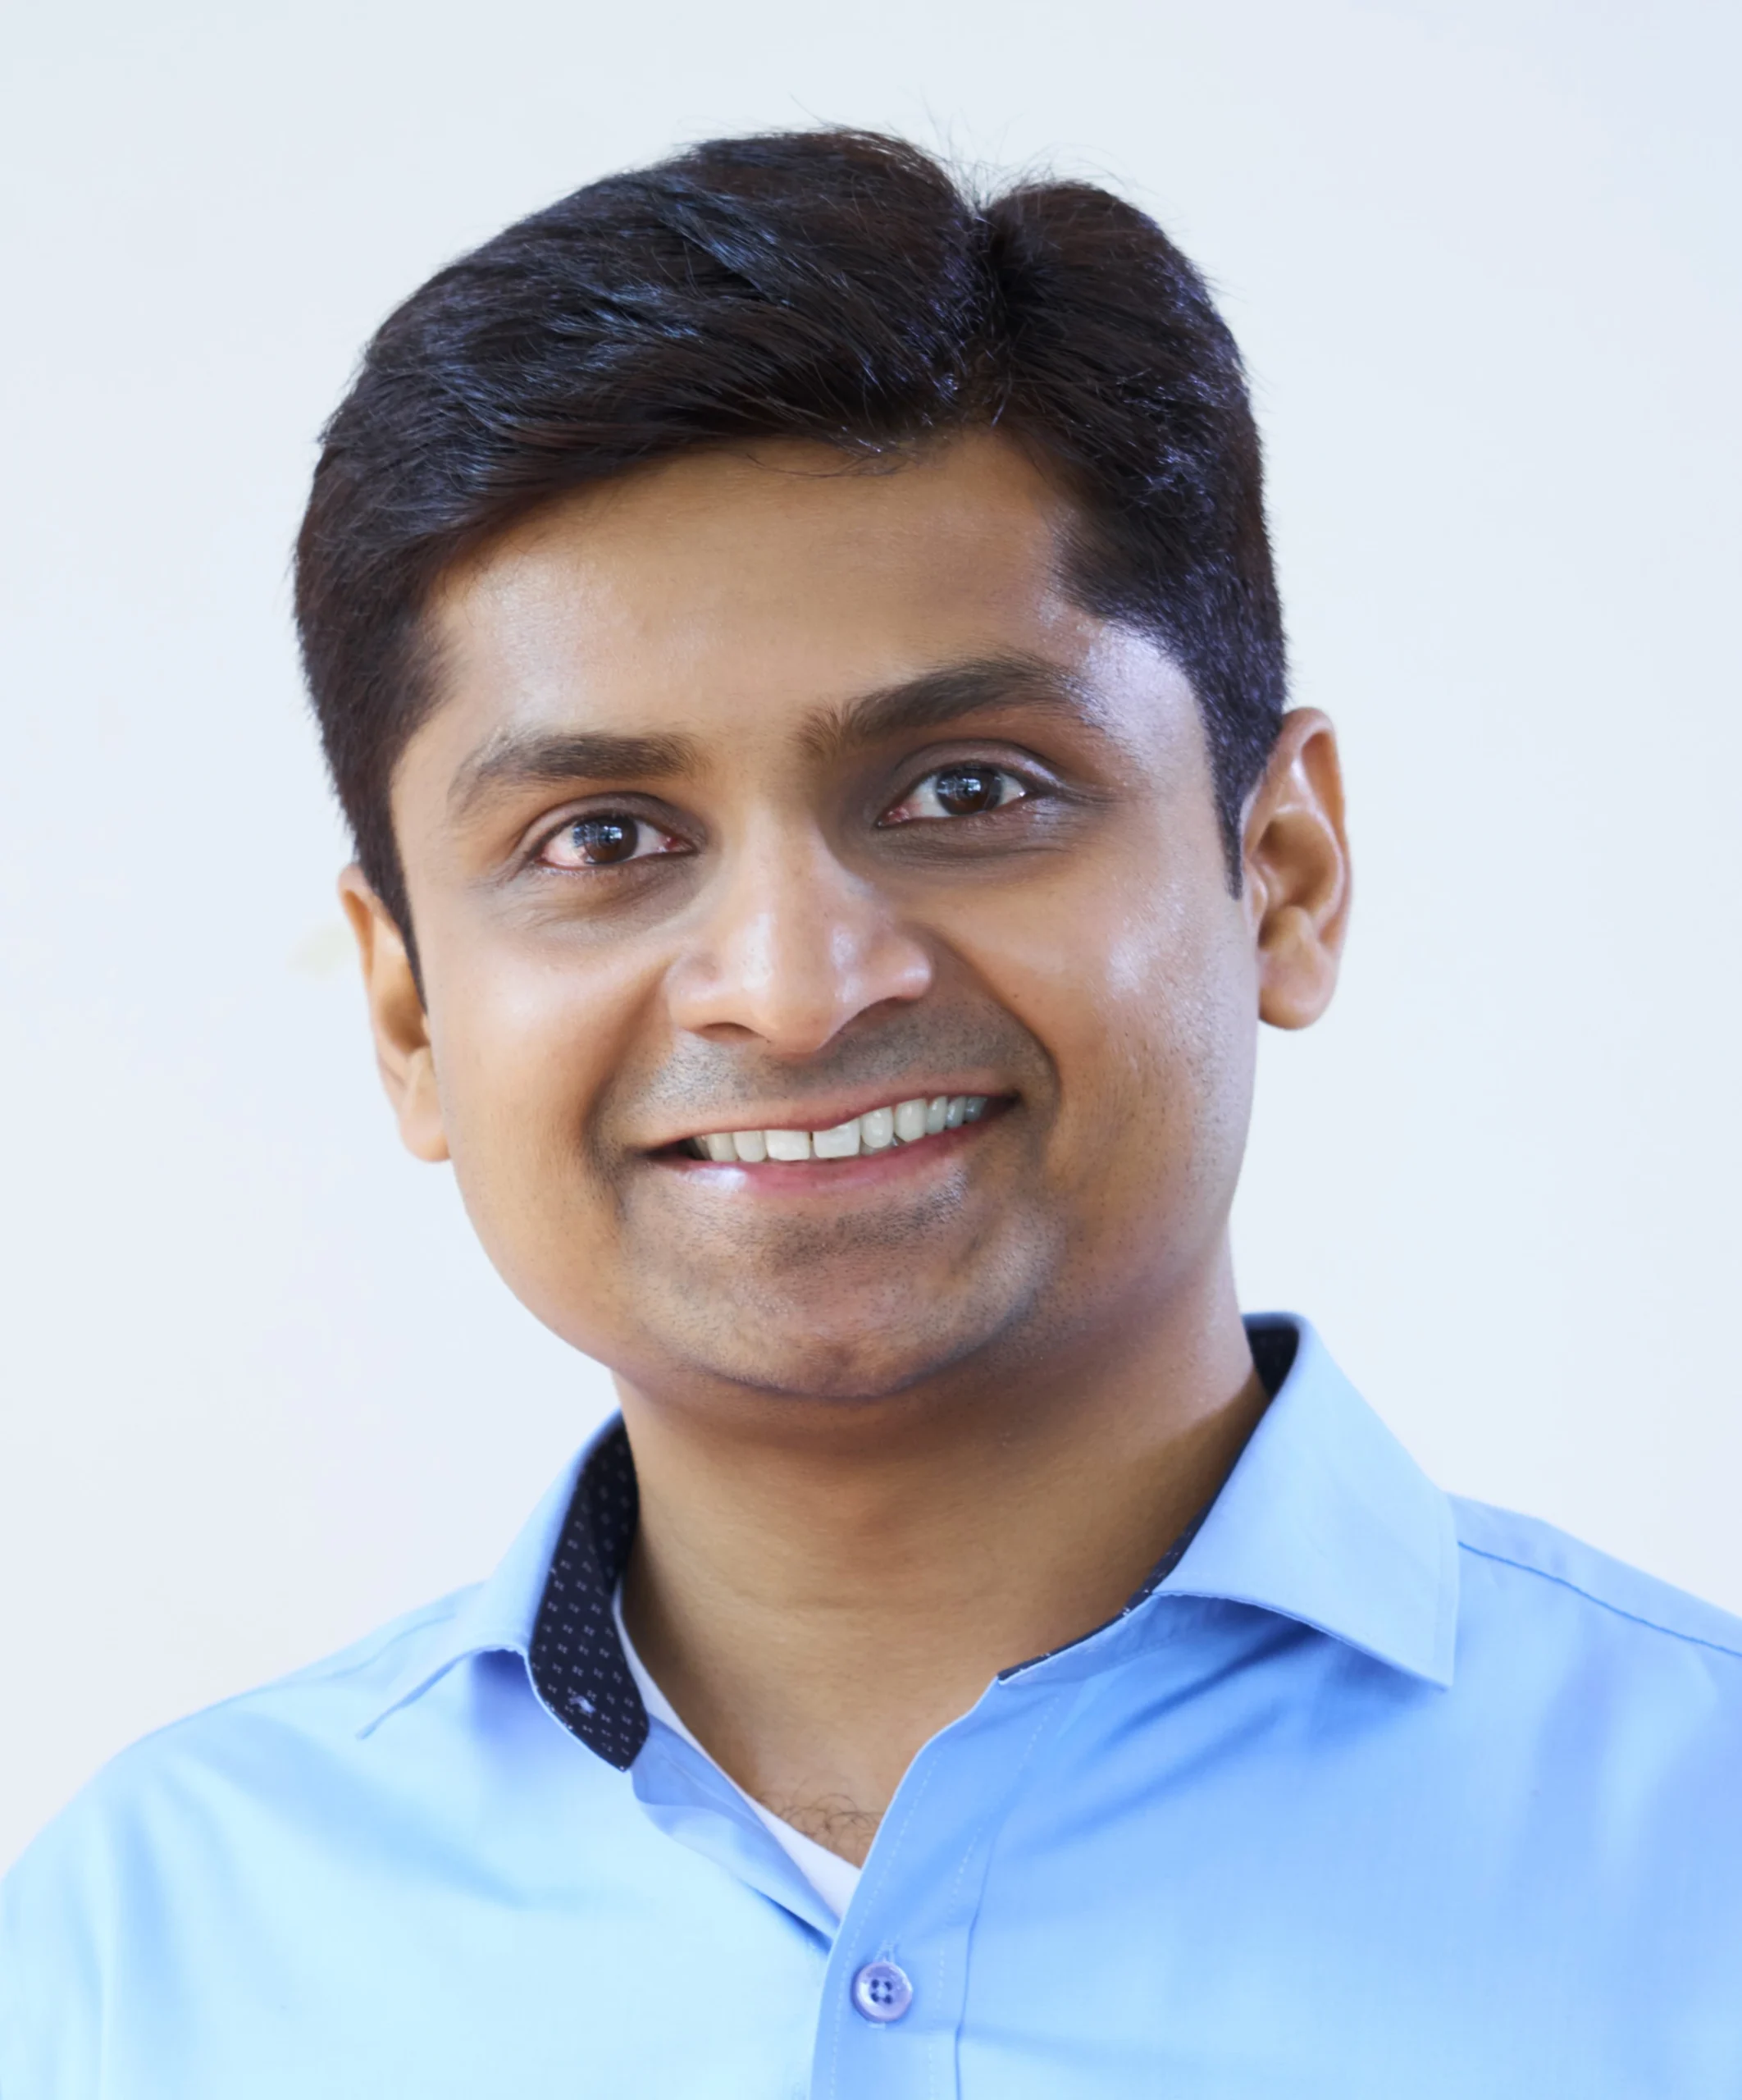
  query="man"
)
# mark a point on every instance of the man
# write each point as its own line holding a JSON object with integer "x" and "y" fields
{"x": 798, "y": 652}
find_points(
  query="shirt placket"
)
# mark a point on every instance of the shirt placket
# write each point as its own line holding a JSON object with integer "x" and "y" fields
{"x": 895, "y": 1985}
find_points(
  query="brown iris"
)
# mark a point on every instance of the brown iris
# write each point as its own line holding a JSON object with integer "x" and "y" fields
{"x": 601, "y": 840}
{"x": 966, "y": 791}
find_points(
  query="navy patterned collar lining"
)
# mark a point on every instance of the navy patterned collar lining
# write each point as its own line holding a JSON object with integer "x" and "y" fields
{"x": 576, "y": 1659}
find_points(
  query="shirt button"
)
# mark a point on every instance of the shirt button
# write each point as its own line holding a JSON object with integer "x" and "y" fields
{"x": 882, "y": 1992}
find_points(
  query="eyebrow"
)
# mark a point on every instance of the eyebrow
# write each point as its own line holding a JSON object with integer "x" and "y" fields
{"x": 937, "y": 697}
{"x": 512, "y": 760}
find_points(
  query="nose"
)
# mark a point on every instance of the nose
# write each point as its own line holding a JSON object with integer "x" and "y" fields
{"x": 793, "y": 946}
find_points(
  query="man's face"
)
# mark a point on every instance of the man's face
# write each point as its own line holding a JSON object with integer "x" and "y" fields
{"x": 765, "y": 792}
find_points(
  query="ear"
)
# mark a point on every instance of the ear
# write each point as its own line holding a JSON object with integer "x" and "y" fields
{"x": 1296, "y": 860}
{"x": 403, "y": 1051}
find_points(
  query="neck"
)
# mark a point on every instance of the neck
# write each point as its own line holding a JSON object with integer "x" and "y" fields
{"x": 820, "y": 1587}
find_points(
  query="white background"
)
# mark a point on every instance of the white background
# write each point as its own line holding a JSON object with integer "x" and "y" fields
{"x": 258, "y": 1389}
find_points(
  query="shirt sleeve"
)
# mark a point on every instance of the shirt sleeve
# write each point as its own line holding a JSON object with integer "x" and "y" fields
{"x": 51, "y": 1933}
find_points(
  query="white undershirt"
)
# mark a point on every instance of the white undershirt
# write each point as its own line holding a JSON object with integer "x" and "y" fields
{"x": 833, "y": 1877}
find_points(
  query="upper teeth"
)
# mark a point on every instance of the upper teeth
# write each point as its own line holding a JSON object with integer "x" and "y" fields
{"x": 901, "y": 1123}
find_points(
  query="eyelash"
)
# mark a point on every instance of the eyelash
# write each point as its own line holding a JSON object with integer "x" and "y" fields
{"x": 1029, "y": 789}
{"x": 630, "y": 821}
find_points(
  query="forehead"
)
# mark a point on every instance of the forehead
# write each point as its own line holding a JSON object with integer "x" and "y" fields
{"x": 740, "y": 591}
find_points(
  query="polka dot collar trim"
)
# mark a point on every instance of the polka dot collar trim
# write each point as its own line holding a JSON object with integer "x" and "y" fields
{"x": 576, "y": 1658}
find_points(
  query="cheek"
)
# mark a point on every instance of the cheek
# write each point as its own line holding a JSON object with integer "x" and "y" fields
{"x": 525, "y": 1045}
{"x": 1146, "y": 998}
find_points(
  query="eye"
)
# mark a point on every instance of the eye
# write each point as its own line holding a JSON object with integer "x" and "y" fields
{"x": 606, "y": 842}
{"x": 963, "y": 790}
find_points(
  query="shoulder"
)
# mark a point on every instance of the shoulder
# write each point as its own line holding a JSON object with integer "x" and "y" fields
{"x": 152, "y": 1815}
{"x": 332, "y": 1701}
{"x": 1614, "y": 1702}
{"x": 1535, "y": 1564}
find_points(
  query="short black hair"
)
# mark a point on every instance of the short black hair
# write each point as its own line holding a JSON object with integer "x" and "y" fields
{"x": 833, "y": 286}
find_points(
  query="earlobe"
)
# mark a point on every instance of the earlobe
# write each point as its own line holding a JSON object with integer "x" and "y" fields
{"x": 404, "y": 1053}
{"x": 1296, "y": 857}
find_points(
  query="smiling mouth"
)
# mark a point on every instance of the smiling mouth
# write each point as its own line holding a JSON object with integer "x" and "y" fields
{"x": 878, "y": 1129}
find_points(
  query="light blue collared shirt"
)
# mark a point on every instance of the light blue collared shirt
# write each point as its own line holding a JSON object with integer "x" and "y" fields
{"x": 1379, "y": 1796}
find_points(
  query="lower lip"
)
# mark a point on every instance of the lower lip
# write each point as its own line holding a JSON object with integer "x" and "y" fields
{"x": 830, "y": 1177}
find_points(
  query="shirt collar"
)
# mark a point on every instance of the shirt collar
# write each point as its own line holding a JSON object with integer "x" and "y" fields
{"x": 501, "y": 1615}
{"x": 1327, "y": 1520}
{"x": 1324, "y": 1520}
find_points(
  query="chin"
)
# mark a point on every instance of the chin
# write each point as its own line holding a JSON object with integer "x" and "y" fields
{"x": 853, "y": 1355}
